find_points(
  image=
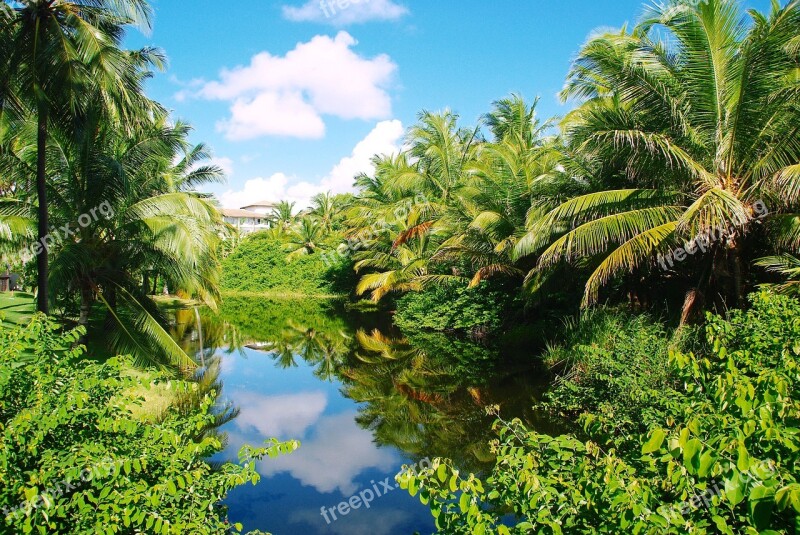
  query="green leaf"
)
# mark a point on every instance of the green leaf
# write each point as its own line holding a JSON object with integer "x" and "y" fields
{"x": 441, "y": 472}
{"x": 657, "y": 437}
{"x": 760, "y": 507}
{"x": 691, "y": 455}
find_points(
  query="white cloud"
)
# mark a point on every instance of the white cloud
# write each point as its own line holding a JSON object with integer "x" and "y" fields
{"x": 337, "y": 453}
{"x": 384, "y": 139}
{"x": 345, "y": 12}
{"x": 284, "y": 417}
{"x": 226, "y": 164}
{"x": 256, "y": 190}
{"x": 272, "y": 114}
{"x": 288, "y": 95}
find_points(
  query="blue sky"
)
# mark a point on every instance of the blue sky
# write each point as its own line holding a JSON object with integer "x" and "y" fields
{"x": 294, "y": 98}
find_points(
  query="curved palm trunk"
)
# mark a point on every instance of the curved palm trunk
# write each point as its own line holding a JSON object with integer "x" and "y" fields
{"x": 43, "y": 268}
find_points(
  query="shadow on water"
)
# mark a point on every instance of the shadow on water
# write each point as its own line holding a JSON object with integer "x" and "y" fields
{"x": 363, "y": 398}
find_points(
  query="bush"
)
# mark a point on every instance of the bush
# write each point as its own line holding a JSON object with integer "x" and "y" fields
{"x": 259, "y": 265}
{"x": 75, "y": 460}
{"x": 725, "y": 459}
{"x": 476, "y": 311}
{"x": 613, "y": 372}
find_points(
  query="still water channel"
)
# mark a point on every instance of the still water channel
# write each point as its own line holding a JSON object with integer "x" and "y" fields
{"x": 363, "y": 399}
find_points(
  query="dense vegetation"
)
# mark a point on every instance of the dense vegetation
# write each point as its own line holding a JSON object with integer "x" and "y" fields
{"x": 672, "y": 186}
{"x": 100, "y": 176}
{"x": 714, "y": 451}
{"x": 259, "y": 265}
{"x": 626, "y": 235}
{"x": 76, "y": 459}
{"x": 100, "y": 209}
{"x": 673, "y": 183}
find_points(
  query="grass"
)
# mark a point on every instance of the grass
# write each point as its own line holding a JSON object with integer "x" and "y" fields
{"x": 157, "y": 398}
{"x": 280, "y": 295}
{"x": 17, "y": 308}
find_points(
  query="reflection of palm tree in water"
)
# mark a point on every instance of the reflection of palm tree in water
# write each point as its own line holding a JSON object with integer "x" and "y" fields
{"x": 421, "y": 401}
{"x": 323, "y": 349}
{"x": 425, "y": 395}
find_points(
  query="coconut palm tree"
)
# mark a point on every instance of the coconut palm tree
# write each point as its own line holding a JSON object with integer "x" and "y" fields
{"x": 688, "y": 121}
{"x": 129, "y": 208}
{"x": 788, "y": 267}
{"x": 397, "y": 217}
{"x": 55, "y": 50}
{"x": 304, "y": 238}
{"x": 328, "y": 210}
{"x": 282, "y": 216}
{"x": 511, "y": 177}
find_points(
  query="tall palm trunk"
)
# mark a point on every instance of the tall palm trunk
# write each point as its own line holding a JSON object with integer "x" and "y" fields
{"x": 42, "y": 265}
{"x": 739, "y": 272}
{"x": 87, "y": 297}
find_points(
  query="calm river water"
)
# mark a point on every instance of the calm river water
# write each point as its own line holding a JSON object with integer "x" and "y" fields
{"x": 363, "y": 399}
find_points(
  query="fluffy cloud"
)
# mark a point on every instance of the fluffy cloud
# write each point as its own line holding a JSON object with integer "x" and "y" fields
{"x": 256, "y": 190}
{"x": 385, "y": 138}
{"x": 284, "y": 417}
{"x": 276, "y": 114}
{"x": 345, "y": 12}
{"x": 338, "y": 452}
{"x": 289, "y": 95}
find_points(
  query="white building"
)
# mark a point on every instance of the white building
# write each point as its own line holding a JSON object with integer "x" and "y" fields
{"x": 246, "y": 221}
{"x": 263, "y": 207}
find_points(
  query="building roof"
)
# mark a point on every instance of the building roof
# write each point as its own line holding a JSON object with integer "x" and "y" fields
{"x": 241, "y": 214}
{"x": 260, "y": 204}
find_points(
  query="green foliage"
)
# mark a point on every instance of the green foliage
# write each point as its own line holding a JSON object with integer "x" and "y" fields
{"x": 75, "y": 460}
{"x": 614, "y": 370}
{"x": 724, "y": 459}
{"x": 259, "y": 265}
{"x": 454, "y": 308}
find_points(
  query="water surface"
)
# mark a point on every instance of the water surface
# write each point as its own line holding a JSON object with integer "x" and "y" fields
{"x": 362, "y": 398}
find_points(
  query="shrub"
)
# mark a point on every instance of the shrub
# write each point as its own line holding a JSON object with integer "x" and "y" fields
{"x": 259, "y": 265}
{"x": 613, "y": 373}
{"x": 75, "y": 460}
{"x": 723, "y": 460}
{"x": 476, "y": 311}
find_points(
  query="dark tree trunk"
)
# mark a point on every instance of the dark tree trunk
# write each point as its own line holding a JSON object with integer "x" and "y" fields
{"x": 738, "y": 269}
{"x": 693, "y": 305}
{"x": 43, "y": 299}
{"x": 87, "y": 298}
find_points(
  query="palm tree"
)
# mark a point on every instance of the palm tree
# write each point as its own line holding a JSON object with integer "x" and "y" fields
{"x": 57, "y": 48}
{"x": 788, "y": 267}
{"x": 282, "y": 216}
{"x": 397, "y": 217}
{"x": 688, "y": 121}
{"x": 328, "y": 209}
{"x": 146, "y": 217}
{"x": 304, "y": 239}
{"x": 509, "y": 178}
